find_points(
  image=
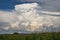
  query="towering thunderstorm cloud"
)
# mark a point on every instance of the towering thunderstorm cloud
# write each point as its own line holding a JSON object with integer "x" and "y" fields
{"x": 29, "y": 17}
{"x": 51, "y": 5}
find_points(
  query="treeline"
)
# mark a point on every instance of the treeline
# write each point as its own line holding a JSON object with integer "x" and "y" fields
{"x": 34, "y": 36}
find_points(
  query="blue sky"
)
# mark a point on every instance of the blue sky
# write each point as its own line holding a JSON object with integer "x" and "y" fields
{"x": 51, "y": 5}
{"x": 7, "y": 4}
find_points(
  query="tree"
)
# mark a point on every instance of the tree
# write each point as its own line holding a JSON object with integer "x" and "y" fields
{"x": 15, "y": 33}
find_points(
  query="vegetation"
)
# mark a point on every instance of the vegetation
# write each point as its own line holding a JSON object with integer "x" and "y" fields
{"x": 36, "y": 36}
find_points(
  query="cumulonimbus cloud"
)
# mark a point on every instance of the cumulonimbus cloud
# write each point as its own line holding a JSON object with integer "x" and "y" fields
{"x": 29, "y": 17}
{"x": 51, "y": 5}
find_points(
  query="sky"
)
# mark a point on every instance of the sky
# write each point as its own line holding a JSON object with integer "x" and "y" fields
{"x": 51, "y": 5}
{"x": 29, "y": 16}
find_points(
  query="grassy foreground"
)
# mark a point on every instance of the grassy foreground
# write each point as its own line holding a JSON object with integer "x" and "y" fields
{"x": 36, "y": 36}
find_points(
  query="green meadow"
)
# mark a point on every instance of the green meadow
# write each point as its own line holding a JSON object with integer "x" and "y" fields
{"x": 33, "y": 36}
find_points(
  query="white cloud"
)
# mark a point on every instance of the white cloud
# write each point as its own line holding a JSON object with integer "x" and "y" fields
{"x": 30, "y": 17}
{"x": 51, "y": 5}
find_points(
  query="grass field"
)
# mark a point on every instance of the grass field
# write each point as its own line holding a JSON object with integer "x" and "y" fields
{"x": 36, "y": 36}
